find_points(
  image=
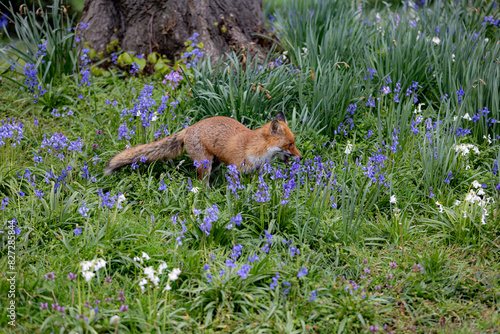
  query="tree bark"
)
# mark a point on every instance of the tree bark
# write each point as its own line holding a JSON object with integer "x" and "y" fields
{"x": 146, "y": 26}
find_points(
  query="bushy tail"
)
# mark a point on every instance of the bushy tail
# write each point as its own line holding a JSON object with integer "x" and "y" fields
{"x": 165, "y": 148}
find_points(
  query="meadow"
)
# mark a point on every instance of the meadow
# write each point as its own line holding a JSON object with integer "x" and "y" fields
{"x": 390, "y": 223}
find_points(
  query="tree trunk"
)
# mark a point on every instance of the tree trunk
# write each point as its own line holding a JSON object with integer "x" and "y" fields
{"x": 145, "y": 26}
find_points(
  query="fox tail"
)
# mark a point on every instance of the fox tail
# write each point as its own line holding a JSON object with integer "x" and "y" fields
{"x": 165, "y": 148}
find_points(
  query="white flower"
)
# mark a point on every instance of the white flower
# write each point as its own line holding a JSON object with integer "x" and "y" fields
{"x": 486, "y": 40}
{"x": 472, "y": 197}
{"x": 476, "y": 184}
{"x": 488, "y": 138}
{"x": 453, "y": 57}
{"x": 174, "y": 274}
{"x": 480, "y": 192}
{"x": 457, "y": 202}
{"x": 167, "y": 288}
{"x": 393, "y": 199}
{"x": 467, "y": 117}
{"x": 419, "y": 108}
{"x": 155, "y": 117}
{"x": 138, "y": 113}
{"x": 121, "y": 198}
{"x": 464, "y": 149}
{"x": 100, "y": 263}
{"x": 146, "y": 256}
{"x": 155, "y": 280}
{"x": 150, "y": 272}
{"x": 348, "y": 148}
{"x": 436, "y": 40}
{"x": 87, "y": 265}
{"x": 138, "y": 259}
{"x": 88, "y": 275}
{"x": 114, "y": 320}
{"x": 195, "y": 190}
{"x": 142, "y": 283}
{"x": 440, "y": 206}
{"x": 162, "y": 267}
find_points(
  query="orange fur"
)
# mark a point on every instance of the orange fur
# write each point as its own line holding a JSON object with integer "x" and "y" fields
{"x": 218, "y": 139}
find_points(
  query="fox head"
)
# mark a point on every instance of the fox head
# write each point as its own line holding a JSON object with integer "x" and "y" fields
{"x": 282, "y": 140}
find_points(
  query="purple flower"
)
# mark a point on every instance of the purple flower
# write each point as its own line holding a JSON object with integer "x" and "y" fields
{"x": 5, "y": 203}
{"x": 286, "y": 290}
{"x": 236, "y": 251}
{"x": 135, "y": 68}
{"x": 77, "y": 231}
{"x": 39, "y": 193}
{"x": 302, "y": 272}
{"x": 393, "y": 265}
{"x": 243, "y": 272}
{"x": 83, "y": 210}
{"x": 253, "y": 258}
{"x": 71, "y": 276}
{"x": 370, "y": 102}
{"x": 418, "y": 268}
{"x": 237, "y": 220}
{"x": 173, "y": 79}
{"x": 50, "y": 276}
{"x": 460, "y": 93}
{"x": 370, "y": 71}
{"x": 230, "y": 264}
{"x": 385, "y": 90}
{"x": 314, "y": 295}
{"x": 123, "y": 308}
{"x": 274, "y": 282}
{"x": 44, "y": 306}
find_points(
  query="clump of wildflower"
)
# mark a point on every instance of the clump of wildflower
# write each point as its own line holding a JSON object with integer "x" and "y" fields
{"x": 173, "y": 79}
{"x": 13, "y": 130}
{"x": 87, "y": 268}
{"x": 465, "y": 149}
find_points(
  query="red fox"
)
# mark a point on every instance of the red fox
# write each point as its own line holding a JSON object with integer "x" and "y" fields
{"x": 215, "y": 140}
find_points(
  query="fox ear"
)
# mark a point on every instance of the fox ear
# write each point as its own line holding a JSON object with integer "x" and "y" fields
{"x": 276, "y": 128}
{"x": 280, "y": 116}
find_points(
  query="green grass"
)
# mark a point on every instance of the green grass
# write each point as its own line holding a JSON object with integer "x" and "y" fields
{"x": 369, "y": 232}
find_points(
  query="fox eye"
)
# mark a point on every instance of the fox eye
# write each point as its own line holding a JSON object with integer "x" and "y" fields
{"x": 291, "y": 145}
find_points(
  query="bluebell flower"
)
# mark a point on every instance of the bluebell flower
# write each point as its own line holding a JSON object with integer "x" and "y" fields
{"x": 237, "y": 219}
{"x": 244, "y": 271}
{"x": 286, "y": 290}
{"x": 236, "y": 251}
{"x": 230, "y": 264}
{"x": 77, "y": 231}
{"x": 370, "y": 102}
{"x": 83, "y": 210}
{"x": 274, "y": 282}
{"x": 314, "y": 295}
{"x": 5, "y": 203}
{"x": 253, "y": 258}
{"x": 460, "y": 93}
{"x": 39, "y": 193}
{"x": 302, "y": 272}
